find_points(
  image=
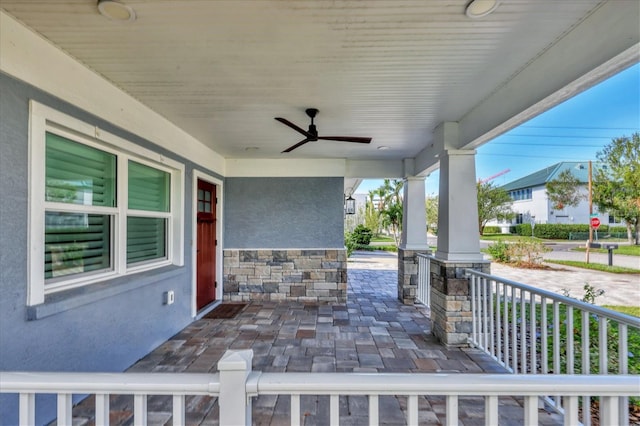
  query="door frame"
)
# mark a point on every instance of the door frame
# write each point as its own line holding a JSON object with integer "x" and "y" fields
{"x": 198, "y": 175}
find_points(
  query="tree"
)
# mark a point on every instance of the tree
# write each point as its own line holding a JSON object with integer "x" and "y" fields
{"x": 493, "y": 203}
{"x": 389, "y": 205}
{"x": 372, "y": 218}
{"x": 564, "y": 190}
{"x": 431, "y": 207}
{"x": 616, "y": 185}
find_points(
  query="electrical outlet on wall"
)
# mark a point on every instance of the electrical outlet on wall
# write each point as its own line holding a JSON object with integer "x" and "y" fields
{"x": 169, "y": 297}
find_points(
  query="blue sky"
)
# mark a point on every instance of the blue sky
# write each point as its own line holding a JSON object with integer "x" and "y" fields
{"x": 572, "y": 131}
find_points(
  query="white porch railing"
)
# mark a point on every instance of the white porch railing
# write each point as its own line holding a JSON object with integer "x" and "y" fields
{"x": 423, "y": 294}
{"x": 533, "y": 331}
{"x": 236, "y": 384}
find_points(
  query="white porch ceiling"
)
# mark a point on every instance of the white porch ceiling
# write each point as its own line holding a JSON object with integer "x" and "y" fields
{"x": 388, "y": 69}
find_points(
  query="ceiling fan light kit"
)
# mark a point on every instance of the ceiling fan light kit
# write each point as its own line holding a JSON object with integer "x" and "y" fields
{"x": 311, "y": 135}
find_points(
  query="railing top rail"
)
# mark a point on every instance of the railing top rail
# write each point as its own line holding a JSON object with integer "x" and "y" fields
{"x": 603, "y": 312}
{"x": 444, "y": 384}
{"x": 426, "y": 255}
{"x": 126, "y": 383}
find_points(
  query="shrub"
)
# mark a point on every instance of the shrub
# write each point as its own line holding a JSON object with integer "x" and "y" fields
{"x": 491, "y": 230}
{"x": 349, "y": 243}
{"x": 499, "y": 251}
{"x": 522, "y": 253}
{"x": 527, "y": 253}
{"x": 523, "y": 229}
{"x": 362, "y": 235}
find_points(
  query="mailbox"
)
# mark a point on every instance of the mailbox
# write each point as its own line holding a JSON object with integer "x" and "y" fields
{"x": 610, "y": 246}
{"x": 593, "y": 245}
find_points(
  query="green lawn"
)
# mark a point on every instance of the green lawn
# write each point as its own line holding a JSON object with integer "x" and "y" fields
{"x": 627, "y": 250}
{"x": 595, "y": 266}
{"x": 629, "y": 310}
{"x": 508, "y": 237}
{"x": 382, "y": 239}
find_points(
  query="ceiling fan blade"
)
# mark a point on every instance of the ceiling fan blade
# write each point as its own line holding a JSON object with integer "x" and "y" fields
{"x": 345, "y": 139}
{"x": 293, "y": 126}
{"x": 299, "y": 144}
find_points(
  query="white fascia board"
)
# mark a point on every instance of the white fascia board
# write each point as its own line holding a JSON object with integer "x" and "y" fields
{"x": 375, "y": 169}
{"x": 261, "y": 167}
{"x": 27, "y": 56}
{"x": 605, "y": 43}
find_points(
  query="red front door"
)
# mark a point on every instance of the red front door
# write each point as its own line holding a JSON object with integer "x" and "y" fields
{"x": 206, "y": 260}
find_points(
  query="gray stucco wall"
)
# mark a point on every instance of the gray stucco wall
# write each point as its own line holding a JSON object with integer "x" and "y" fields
{"x": 104, "y": 327}
{"x": 284, "y": 213}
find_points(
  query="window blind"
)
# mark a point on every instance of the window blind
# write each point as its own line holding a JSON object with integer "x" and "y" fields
{"x": 76, "y": 243}
{"x": 79, "y": 174}
{"x": 146, "y": 239}
{"x": 148, "y": 190}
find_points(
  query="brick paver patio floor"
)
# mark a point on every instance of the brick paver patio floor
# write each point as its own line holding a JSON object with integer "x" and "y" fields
{"x": 372, "y": 332}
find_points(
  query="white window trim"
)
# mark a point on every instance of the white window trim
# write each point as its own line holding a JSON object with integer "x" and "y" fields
{"x": 43, "y": 119}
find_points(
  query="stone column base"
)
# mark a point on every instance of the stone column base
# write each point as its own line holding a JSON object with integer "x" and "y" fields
{"x": 408, "y": 275}
{"x": 451, "y": 320}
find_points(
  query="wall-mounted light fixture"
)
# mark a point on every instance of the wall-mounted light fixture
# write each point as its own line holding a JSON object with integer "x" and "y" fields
{"x": 116, "y": 11}
{"x": 350, "y": 205}
{"x": 480, "y": 8}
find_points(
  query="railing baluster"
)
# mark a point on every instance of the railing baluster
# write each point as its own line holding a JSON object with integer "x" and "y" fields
{"x": 492, "y": 327}
{"x": 498, "y": 331}
{"x": 533, "y": 330}
{"x": 65, "y": 412}
{"x": 490, "y": 410}
{"x": 556, "y": 347}
{"x": 102, "y": 409}
{"x": 571, "y": 411}
{"x": 412, "y": 410}
{"x": 603, "y": 337}
{"x": 623, "y": 368}
{"x": 140, "y": 410}
{"x": 452, "y": 410}
{"x": 544, "y": 336}
{"x": 27, "y": 409}
{"x": 586, "y": 366}
{"x": 474, "y": 312}
{"x": 485, "y": 316}
{"x": 523, "y": 333}
{"x": 295, "y": 410}
{"x": 178, "y": 410}
{"x": 569, "y": 336}
{"x": 505, "y": 327}
{"x": 334, "y": 409}
{"x": 374, "y": 414}
{"x": 514, "y": 333}
{"x": 609, "y": 415}
{"x": 530, "y": 411}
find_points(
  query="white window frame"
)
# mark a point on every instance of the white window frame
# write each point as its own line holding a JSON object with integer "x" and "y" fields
{"x": 43, "y": 119}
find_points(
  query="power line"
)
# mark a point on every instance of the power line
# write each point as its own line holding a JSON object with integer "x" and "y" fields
{"x": 554, "y": 157}
{"x": 544, "y": 144}
{"x": 561, "y": 136}
{"x": 579, "y": 128}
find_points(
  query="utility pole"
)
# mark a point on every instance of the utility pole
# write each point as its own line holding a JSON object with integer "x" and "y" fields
{"x": 590, "y": 213}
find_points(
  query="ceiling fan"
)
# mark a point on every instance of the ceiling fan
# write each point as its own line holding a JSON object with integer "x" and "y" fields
{"x": 311, "y": 135}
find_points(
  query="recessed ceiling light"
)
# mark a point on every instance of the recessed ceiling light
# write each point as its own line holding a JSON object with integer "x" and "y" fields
{"x": 116, "y": 11}
{"x": 383, "y": 147}
{"x": 480, "y": 8}
{"x": 251, "y": 148}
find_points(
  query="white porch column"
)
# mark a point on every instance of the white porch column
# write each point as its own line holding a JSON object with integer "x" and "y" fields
{"x": 414, "y": 234}
{"x": 458, "y": 238}
{"x": 414, "y": 223}
{"x": 458, "y": 241}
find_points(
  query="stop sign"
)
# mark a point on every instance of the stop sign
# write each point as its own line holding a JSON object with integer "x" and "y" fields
{"x": 595, "y": 222}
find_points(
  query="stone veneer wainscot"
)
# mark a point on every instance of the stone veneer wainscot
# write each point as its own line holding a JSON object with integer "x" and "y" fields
{"x": 317, "y": 276}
